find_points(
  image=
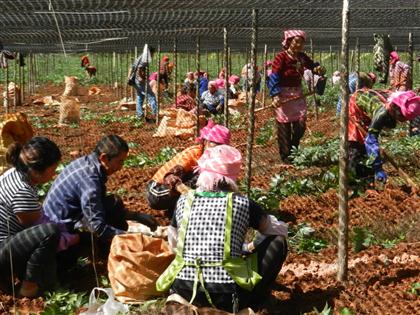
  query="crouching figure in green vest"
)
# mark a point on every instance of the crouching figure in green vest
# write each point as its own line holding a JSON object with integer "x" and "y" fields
{"x": 213, "y": 264}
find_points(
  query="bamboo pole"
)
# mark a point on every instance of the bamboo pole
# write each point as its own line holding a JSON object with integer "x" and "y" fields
{"x": 15, "y": 81}
{"x": 207, "y": 62}
{"x": 197, "y": 62}
{"x": 357, "y": 61}
{"x": 312, "y": 49}
{"x": 264, "y": 87}
{"x": 127, "y": 65}
{"x": 331, "y": 64}
{"x": 158, "y": 85}
{"x": 6, "y": 88}
{"x": 22, "y": 80}
{"x": 410, "y": 56}
{"x": 229, "y": 69}
{"x": 121, "y": 79}
{"x": 226, "y": 64}
{"x": 251, "y": 114}
{"x": 343, "y": 215}
{"x": 175, "y": 70}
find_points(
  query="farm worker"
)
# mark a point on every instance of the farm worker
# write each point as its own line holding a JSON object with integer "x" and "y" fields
{"x": 366, "y": 80}
{"x": 268, "y": 64}
{"x": 222, "y": 74}
{"x": 78, "y": 197}
{"x": 161, "y": 190}
{"x": 285, "y": 83}
{"x": 208, "y": 231}
{"x": 203, "y": 82}
{"x": 372, "y": 111}
{"x": 164, "y": 70}
{"x": 246, "y": 74}
{"x": 400, "y": 77}
{"x": 399, "y": 73}
{"x": 233, "y": 87}
{"x": 32, "y": 246}
{"x": 139, "y": 69}
{"x": 212, "y": 100}
{"x": 186, "y": 100}
{"x": 190, "y": 79}
{"x": 84, "y": 61}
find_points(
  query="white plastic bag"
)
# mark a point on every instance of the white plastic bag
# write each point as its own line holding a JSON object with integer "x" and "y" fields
{"x": 110, "y": 307}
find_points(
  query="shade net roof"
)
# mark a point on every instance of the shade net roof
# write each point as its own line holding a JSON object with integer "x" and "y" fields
{"x": 108, "y": 25}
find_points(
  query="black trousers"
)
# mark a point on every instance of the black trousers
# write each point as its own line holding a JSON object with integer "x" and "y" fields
{"x": 288, "y": 136}
{"x": 271, "y": 254}
{"x": 33, "y": 253}
{"x": 357, "y": 157}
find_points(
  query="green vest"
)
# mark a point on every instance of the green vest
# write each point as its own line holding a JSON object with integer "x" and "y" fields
{"x": 243, "y": 270}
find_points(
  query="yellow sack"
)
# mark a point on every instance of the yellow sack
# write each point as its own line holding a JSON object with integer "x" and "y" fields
{"x": 134, "y": 264}
{"x": 13, "y": 128}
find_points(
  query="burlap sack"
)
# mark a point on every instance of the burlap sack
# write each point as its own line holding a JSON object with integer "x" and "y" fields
{"x": 71, "y": 88}
{"x": 12, "y": 90}
{"x": 13, "y": 128}
{"x": 185, "y": 119}
{"x": 69, "y": 111}
{"x": 134, "y": 264}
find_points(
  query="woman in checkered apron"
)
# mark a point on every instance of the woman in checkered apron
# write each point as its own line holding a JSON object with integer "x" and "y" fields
{"x": 27, "y": 248}
{"x": 214, "y": 266}
{"x": 285, "y": 83}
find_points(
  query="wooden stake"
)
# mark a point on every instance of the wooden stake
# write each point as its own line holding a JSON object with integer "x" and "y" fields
{"x": 343, "y": 215}
{"x": 175, "y": 70}
{"x": 264, "y": 81}
{"x": 251, "y": 114}
{"x": 226, "y": 65}
{"x": 158, "y": 85}
{"x": 197, "y": 61}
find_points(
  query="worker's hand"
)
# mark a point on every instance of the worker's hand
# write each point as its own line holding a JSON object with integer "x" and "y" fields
{"x": 172, "y": 181}
{"x": 276, "y": 101}
{"x": 319, "y": 70}
{"x": 380, "y": 176}
{"x": 148, "y": 220}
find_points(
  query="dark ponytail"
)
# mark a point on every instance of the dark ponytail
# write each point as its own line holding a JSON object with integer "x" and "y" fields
{"x": 12, "y": 154}
{"x": 37, "y": 154}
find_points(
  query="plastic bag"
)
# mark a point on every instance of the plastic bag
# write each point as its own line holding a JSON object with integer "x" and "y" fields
{"x": 110, "y": 307}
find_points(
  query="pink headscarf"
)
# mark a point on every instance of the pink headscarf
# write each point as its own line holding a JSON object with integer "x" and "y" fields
{"x": 292, "y": 33}
{"x": 222, "y": 162}
{"x": 153, "y": 76}
{"x": 214, "y": 133}
{"x": 234, "y": 79}
{"x": 408, "y": 102}
{"x": 220, "y": 83}
{"x": 394, "y": 57}
{"x": 212, "y": 83}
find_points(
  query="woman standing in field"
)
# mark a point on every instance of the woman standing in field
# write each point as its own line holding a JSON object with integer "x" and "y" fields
{"x": 284, "y": 84}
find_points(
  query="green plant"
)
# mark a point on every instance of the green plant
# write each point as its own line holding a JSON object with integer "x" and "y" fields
{"x": 362, "y": 238}
{"x": 318, "y": 155}
{"x": 142, "y": 159}
{"x": 266, "y": 132}
{"x": 326, "y": 311}
{"x": 302, "y": 238}
{"x": 64, "y": 302}
{"x": 345, "y": 311}
{"x": 414, "y": 288}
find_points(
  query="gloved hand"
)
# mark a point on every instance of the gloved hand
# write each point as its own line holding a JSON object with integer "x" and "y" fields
{"x": 172, "y": 181}
{"x": 147, "y": 219}
{"x": 380, "y": 176}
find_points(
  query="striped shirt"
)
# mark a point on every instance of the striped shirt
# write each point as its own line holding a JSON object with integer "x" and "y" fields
{"x": 16, "y": 195}
{"x": 76, "y": 197}
{"x": 187, "y": 159}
